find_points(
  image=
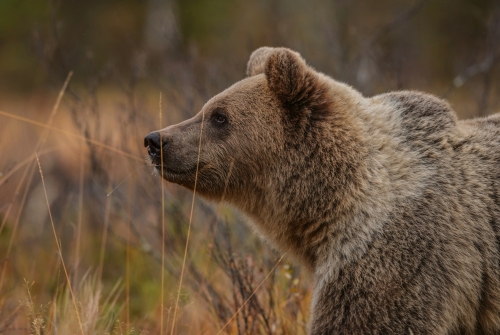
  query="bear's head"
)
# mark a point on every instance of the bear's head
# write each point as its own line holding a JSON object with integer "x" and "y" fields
{"x": 267, "y": 138}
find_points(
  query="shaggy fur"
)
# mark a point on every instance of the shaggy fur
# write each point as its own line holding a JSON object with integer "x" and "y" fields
{"x": 390, "y": 202}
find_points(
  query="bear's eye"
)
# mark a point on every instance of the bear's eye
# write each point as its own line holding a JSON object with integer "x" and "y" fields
{"x": 219, "y": 118}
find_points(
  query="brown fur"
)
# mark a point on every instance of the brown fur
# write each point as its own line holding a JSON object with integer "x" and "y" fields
{"x": 390, "y": 202}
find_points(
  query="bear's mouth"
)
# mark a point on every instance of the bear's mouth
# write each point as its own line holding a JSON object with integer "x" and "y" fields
{"x": 170, "y": 172}
{"x": 173, "y": 171}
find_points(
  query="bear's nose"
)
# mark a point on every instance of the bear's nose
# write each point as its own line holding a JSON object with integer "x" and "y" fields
{"x": 152, "y": 142}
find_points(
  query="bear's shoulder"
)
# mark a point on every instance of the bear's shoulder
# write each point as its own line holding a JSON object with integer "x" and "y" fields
{"x": 420, "y": 114}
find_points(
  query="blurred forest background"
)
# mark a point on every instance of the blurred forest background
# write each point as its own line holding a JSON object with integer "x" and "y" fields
{"x": 118, "y": 57}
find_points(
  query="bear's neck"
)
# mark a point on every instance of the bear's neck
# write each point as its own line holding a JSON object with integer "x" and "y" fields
{"x": 326, "y": 199}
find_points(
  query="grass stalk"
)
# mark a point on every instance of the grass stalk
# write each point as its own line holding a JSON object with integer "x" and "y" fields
{"x": 70, "y": 134}
{"x": 127, "y": 261}
{"x": 189, "y": 228}
{"x": 59, "y": 248}
{"x": 162, "y": 294}
{"x": 80, "y": 217}
{"x": 30, "y": 168}
{"x": 107, "y": 213}
{"x": 251, "y": 295}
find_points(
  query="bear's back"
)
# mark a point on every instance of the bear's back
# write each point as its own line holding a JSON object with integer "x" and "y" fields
{"x": 479, "y": 147}
{"x": 425, "y": 119}
{"x": 430, "y": 128}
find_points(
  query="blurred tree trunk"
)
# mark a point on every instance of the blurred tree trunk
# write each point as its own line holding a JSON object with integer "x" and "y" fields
{"x": 161, "y": 29}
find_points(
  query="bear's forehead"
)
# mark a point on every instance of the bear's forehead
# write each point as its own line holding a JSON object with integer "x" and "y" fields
{"x": 239, "y": 91}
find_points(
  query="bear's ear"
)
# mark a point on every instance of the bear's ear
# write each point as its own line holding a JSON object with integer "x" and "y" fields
{"x": 286, "y": 73}
{"x": 257, "y": 61}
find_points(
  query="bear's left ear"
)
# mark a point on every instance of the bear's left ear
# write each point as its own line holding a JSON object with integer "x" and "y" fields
{"x": 258, "y": 60}
{"x": 286, "y": 73}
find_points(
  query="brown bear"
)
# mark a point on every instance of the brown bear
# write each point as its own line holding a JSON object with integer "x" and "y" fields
{"x": 390, "y": 202}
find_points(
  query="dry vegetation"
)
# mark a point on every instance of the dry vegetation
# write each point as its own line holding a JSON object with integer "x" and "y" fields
{"x": 106, "y": 210}
{"x": 98, "y": 246}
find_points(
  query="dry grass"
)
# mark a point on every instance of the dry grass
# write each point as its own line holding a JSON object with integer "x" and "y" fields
{"x": 131, "y": 255}
{"x": 125, "y": 259}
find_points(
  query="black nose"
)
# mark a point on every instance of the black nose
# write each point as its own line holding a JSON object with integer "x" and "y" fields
{"x": 152, "y": 141}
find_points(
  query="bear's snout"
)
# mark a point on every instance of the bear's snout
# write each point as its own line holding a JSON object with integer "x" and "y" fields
{"x": 154, "y": 142}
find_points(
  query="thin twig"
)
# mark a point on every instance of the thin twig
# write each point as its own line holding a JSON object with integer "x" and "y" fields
{"x": 474, "y": 70}
{"x": 397, "y": 22}
{"x": 124, "y": 179}
{"x": 253, "y": 293}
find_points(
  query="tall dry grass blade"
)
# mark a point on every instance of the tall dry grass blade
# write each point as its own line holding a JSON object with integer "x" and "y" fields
{"x": 115, "y": 291}
{"x": 68, "y": 133}
{"x": 53, "y": 306}
{"x": 14, "y": 170}
{"x": 11, "y": 204}
{"x": 205, "y": 270}
{"x": 27, "y": 160}
{"x": 124, "y": 179}
{"x": 59, "y": 247}
{"x": 43, "y": 137}
{"x": 58, "y": 101}
{"x": 251, "y": 295}
{"x": 37, "y": 326}
{"x": 10, "y": 318}
{"x": 189, "y": 227}
{"x": 127, "y": 264}
{"x": 30, "y": 168}
{"x": 107, "y": 213}
{"x": 80, "y": 217}
{"x": 162, "y": 230}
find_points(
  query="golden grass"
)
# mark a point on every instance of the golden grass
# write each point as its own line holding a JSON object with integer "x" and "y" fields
{"x": 80, "y": 214}
{"x": 104, "y": 239}
{"x": 110, "y": 238}
{"x": 31, "y": 169}
{"x": 251, "y": 295}
{"x": 189, "y": 226}
{"x": 58, "y": 244}
{"x": 70, "y": 134}
{"x": 127, "y": 261}
{"x": 19, "y": 165}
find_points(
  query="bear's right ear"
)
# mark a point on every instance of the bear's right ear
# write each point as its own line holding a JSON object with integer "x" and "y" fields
{"x": 286, "y": 73}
